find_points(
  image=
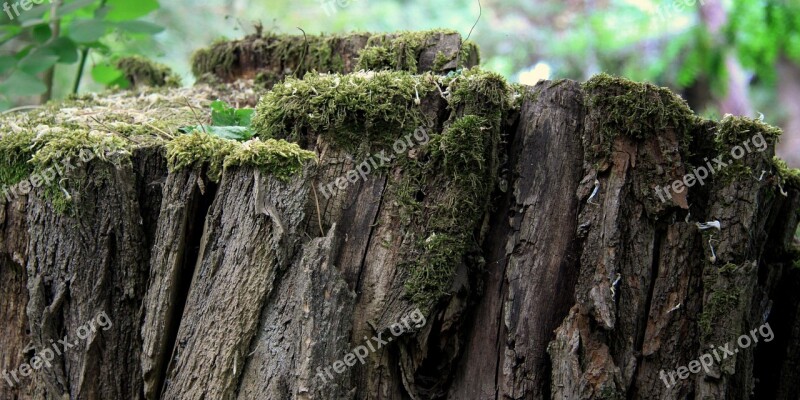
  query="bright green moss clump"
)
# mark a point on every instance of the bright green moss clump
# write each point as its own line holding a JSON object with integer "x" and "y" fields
{"x": 141, "y": 71}
{"x": 348, "y": 109}
{"x": 15, "y": 151}
{"x": 277, "y": 157}
{"x": 733, "y": 131}
{"x": 479, "y": 91}
{"x": 401, "y": 51}
{"x": 636, "y": 110}
{"x": 60, "y": 144}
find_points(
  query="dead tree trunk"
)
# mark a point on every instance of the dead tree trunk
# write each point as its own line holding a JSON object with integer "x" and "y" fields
{"x": 519, "y": 242}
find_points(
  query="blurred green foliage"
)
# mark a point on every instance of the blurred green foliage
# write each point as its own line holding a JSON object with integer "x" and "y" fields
{"x": 38, "y": 37}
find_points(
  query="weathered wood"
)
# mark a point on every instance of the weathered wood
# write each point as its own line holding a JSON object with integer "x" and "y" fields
{"x": 573, "y": 281}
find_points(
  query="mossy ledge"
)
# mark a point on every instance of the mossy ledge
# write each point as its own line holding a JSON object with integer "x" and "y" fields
{"x": 140, "y": 71}
{"x": 197, "y": 150}
{"x": 372, "y": 108}
{"x": 350, "y": 110}
{"x": 110, "y": 129}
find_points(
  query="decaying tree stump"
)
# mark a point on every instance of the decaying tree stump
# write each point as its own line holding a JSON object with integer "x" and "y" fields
{"x": 403, "y": 227}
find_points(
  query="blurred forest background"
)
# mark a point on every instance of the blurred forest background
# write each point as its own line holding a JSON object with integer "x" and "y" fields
{"x": 724, "y": 56}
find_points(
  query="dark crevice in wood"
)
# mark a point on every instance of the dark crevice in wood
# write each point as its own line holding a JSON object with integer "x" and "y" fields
{"x": 199, "y": 206}
{"x": 658, "y": 238}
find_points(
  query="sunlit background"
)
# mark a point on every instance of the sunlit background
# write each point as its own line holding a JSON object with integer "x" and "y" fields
{"x": 737, "y": 56}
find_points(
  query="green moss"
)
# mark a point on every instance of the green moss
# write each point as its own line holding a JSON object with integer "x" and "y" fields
{"x": 733, "y": 132}
{"x": 15, "y": 151}
{"x": 462, "y": 159}
{"x": 790, "y": 177}
{"x": 722, "y": 302}
{"x": 636, "y": 110}
{"x": 141, "y": 71}
{"x": 198, "y": 150}
{"x": 478, "y": 90}
{"x": 277, "y": 157}
{"x": 400, "y": 51}
{"x": 271, "y": 55}
{"x": 58, "y": 145}
{"x": 353, "y": 109}
{"x": 431, "y": 277}
{"x": 217, "y": 59}
{"x": 518, "y": 94}
{"x": 440, "y": 61}
{"x": 444, "y": 190}
{"x": 469, "y": 49}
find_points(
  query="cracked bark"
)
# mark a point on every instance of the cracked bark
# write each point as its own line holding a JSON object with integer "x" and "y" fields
{"x": 235, "y": 291}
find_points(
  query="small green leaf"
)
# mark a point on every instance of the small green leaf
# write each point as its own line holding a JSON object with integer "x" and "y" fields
{"x": 126, "y": 10}
{"x": 244, "y": 116}
{"x": 106, "y": 74}
{"x": 21, "y": 83}
{"x": 140, "y": 27}
{"x": 42, "y": 33}
{"x": 222, "y": 114}
{"x": 86, "y": 31}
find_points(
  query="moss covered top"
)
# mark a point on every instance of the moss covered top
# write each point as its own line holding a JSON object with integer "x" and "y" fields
{"x": 314, "y": 52}
{"x": 636, "y": 110}
{"x": 278, "y": 157}
{"x": 733, "y": 131}
{"x": 349, "y": 108}
{"x": 141, "y": 71}
{"x": 400, "y": 51}
{"x": 269, "y": 57}
{"x": 112, "y": 127}
{"x": 370, "y": 107}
